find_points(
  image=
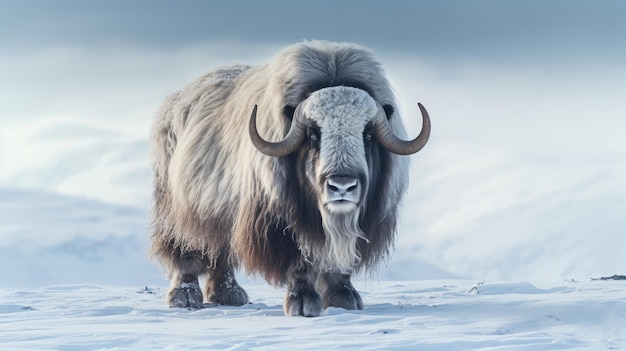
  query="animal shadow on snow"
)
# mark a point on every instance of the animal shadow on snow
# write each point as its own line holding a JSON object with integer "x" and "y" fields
{"x": 276, "y": 310}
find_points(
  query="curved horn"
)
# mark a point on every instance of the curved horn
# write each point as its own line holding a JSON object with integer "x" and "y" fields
{"x": 282, "y": 148}
{"x": 392, "y": 143}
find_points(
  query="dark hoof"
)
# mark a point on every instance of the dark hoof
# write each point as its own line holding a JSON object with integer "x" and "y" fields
{"x": 345, "y": 296}
{"x": 305, "y": 303}
{"x": 185, "y": 295}
{"x": 227, "y": 293}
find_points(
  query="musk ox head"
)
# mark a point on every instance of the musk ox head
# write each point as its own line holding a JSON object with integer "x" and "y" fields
{"x": 338, "y": 134}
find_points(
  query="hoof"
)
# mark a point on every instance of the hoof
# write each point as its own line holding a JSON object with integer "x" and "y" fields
{"x": 345, "y": 296}
{"x": 227, "y": 293}
{"x": 185, "y": 295}
{"x": 305, "y": 303}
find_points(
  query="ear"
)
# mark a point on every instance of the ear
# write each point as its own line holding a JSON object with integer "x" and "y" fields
{"x": 288, "y": 112}
{"x": 388, "y": 110}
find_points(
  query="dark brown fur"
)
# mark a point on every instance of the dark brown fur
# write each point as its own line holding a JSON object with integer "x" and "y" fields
{"x": 200, "y": 138}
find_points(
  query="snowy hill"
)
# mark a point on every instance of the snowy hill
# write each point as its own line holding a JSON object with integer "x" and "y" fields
{"x": 47, "y": 239}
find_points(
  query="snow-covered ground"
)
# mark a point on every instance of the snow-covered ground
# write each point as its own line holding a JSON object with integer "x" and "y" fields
{"x": 516, "y": 203}
{"x": 424, "y": 315}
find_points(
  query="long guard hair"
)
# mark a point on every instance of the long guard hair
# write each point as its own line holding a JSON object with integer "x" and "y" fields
{"x": 215, "y": 193}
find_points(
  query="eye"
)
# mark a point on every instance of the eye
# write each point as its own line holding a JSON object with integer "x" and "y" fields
{"x": 313, "y": 134}
{"x": 368, "y": 135}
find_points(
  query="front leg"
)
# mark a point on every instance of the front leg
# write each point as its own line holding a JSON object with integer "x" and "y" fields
{"x": 337, "y": 291}
{"x": 301, "y": 298}
{"x": 185, "y": 292}
{"x": 185, "y": 268}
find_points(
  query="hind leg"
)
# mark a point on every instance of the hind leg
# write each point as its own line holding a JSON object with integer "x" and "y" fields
{"x": 222, "y": 287}
{"x": 337, "y": 291}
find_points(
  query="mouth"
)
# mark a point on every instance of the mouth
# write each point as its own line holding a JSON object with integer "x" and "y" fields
{"x": 340, "y": 206}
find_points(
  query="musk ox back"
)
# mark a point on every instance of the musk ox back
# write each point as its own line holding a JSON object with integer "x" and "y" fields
{"x": 293, "y": 169}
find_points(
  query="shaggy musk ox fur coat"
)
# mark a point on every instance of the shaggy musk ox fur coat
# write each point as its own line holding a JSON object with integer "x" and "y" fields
{"x": 293, "y": 170}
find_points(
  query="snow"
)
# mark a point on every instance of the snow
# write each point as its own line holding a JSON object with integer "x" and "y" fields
{"x": 431, "y": 315}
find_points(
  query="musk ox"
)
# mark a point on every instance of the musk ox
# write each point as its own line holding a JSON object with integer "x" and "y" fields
{"x": 293, "y": 169}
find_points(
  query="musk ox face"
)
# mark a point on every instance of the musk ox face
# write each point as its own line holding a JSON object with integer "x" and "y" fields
{"x": 337, "y": 121}
{"x": 335, "y": 165}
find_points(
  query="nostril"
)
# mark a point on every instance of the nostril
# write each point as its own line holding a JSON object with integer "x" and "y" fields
{"x": 342, "y": 185}
{"x": 332, "y": 187}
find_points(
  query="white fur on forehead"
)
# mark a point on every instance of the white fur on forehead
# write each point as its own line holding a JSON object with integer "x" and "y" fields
{"x": 337, "y": 109}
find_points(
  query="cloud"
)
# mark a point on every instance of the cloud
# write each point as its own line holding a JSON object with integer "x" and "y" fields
{"x": 451, "y": 29}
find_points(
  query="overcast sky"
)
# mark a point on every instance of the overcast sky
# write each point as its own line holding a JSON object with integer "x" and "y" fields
{"x": 54, "y": 52}
{"x": 563, "y": 29}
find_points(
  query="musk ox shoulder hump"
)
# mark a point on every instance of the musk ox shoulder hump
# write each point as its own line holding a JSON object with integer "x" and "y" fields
{"x": 310, "y": 66}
